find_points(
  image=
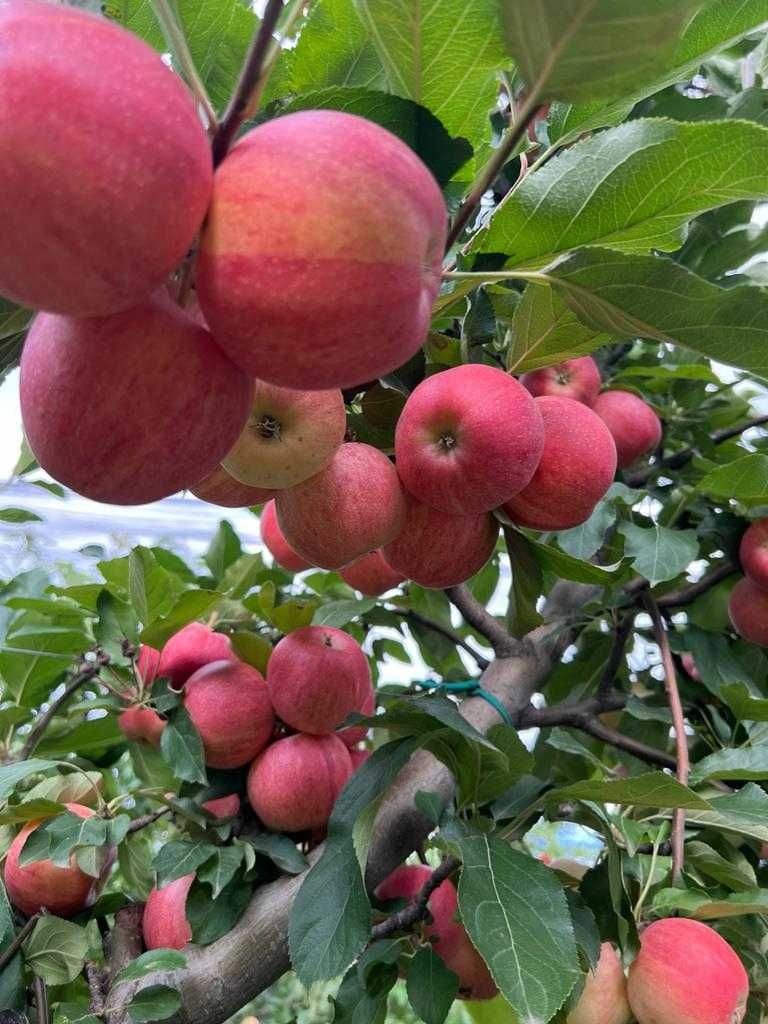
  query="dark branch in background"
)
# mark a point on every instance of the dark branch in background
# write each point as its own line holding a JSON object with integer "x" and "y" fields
{"x": 16, "y": 943}
{"x": 447, "y": 631}
{"x": 681, "y": 742}
{"x": 148, "y": 819}
{"x": 87, "y": 671}
{"x": 41, "y": 1001}
{"x": 623, "y": 629}
{"x": 480, "y": 619}
{"x": 682, "y": 458}
{"x": 688, "y": 594}
{"x": 249, "y": 81}
{"x": 600, "y": 731}
{"x": 405, "y": 919}
{"x": 493, "y": 168}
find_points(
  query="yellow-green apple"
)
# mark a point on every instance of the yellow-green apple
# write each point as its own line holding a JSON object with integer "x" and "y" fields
{"x": 290, "y": 435}
{"x": 753, "y": 552}
{"x": 445, "y": 932}
{"x": 351, "y": 507}
{"x": 685, "y": 973}
{"x": 63, "y": 891}
{"x": 748, "y": 611}
{"x": 315, "y": 675}
{"x": 229, "y": 705}
{"x": 106, "y": 173}
{"x": 365, "y": 705}
{"x": 164, "y": 923}
{"x": 193, "y": 646}
{"x": 439, "y": 549}
{"x": 223, "y": 806}
{"x": 294, "y": 783}
{"x": 604, "y": 996}
{"x": 131, "y": 407}
{"x": 221, "y": 488}
{"x": 576, "y": 468}
{"x": 635, "y": 426}
{"x": 577, "y": 378}
{"x": 371, "y": 575}
{"x": 468, "y": 439}
{"x": 329, "y": 282}
{"x": 275, "y": 541}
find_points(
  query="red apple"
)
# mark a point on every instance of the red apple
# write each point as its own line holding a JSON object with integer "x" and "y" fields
{"x": 141, "y": 723}
{"x": 329, "y": 282}
{"x": 685, "y": 973}
{"x": 690, "y": 666}
{"x": 446, "y": 934}
{"x": 604, "y": 996}
{"x": 365, "y": 705}
{"x": 314, "y": 677}
{"x": 578, "y": 379}
{"x": 438, "y": 549}
{"x": 635, "y": 427}
{"x": 748, "y": 611}
{"x": 371, "y": 575}
{"x": 276, "y": 544}
{"x": 223, "y": 806}
{"x": 147, "y": 664}
{"x": 188, "y": 650}
{"x": 294, "y": 783}
{"x": 290, "y": 435}
{"x": 129, "y": 408}
{"x": 351, "y": 507}
{"x": 105, "y": 178}
{"x": 576, "y": 468}
{"x": 220, "y": 488}
{"x": 165, "y": 924}
{"x": 229, "y": 705}
{"x": 62, "y": 891}
{"x": 468, "y": 439}
{"x": 753, "y": 552}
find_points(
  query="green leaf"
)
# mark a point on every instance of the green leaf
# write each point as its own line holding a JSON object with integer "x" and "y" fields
{"x": 414, "y": 124}
{"x": 34, "y": 658}
{"x": 89, "y": 739}
{"x": 584, "y": 541}
{"x": 513, "y": 907}
{"x": 221, "y": 868}
{"x": 178, "y": 858}
{"x": 495, "y": 774}
{"x": 659, "y": 553}
{"x": 224, "y": 550}
{"x": 253, "y": 649}
{"x": 545, "y": 331}
{"x": 585, "y": 928}
{"x": 339, "y": 613}
{"x": 733, "y": 763}
{"x": 733, "y": 870}
{"x": 149, "y": 586}
{"x": 12, "y": 774}
{"x": 744, "y": 706}
{"x": 744, "y": 813}
{"x": 654, "y": 789}
{"x": 527, "y": 584}
{"x": 444, "y": 54}
{"x": 569, "y": 568}
{"x": 60, "y": 835}
{"x": 210, "y": 920}
{"x": 281, "y": 850}
{"x": 12, "y": 975}
{"x": 154, "y": 960}
{"x": 191, "y": 606}
{"x": 707, "y": 908}
{"x": 744, "y": 480}
{"x": 652, "y": 297}
{"x": 156, "y": 1002}
{"x": 630, "y": 189}
{"x": 18, "y": 515}
{"x": 56, "y": 950}
{"x": 583, "y": 49}
{"x": 242, "y": 575}
{"x": 432, "y": 988}
{"x": 134, "y": 857}
{"x": 182, "y": 748}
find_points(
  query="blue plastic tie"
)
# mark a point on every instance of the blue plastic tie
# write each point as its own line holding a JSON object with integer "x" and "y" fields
{"x": 472, "y": 688}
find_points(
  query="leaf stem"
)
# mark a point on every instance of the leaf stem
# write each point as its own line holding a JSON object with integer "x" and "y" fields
{"x": 177, "y": 44}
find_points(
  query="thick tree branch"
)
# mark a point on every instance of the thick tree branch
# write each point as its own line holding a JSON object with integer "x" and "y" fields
{"x": 125, "y": 945}
{"x": 480, "y": 619}
{"x": 447, "y": 631}
{"x": 222, "y": 977}
{"x": 682, "y": 458}
{"x": 681, "y": 742}
{"x": 95, "y": 976}
{"x": 417, "y": 910}
{"x": 87, "y": 671}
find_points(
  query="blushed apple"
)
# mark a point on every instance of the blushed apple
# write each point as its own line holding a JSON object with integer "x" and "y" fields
{"x": 275, "y": 541}
{"x": 164, "y": 404}
{"x": 635, "y": 427}
{"x": 577, "y": 378}
{"x": 141, "y": 724}
{"x": 371, "y": 575}
{"x": 604, "y": 996}
{"x": 189, "y": 649}
{"x": 164, "y": 923}
{"x": 221, "y": 488}
{"x": 223, "y": 806}
{"x": 753, "y": 552}
{"x": 330, "y": 282}
{"x": 748, "y": 611}
{"x": 365, "y": 705}
{"x": 468, "y": 439}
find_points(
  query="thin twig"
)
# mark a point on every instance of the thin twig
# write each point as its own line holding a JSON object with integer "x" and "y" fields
{"x": 41, "y": 1001}
{"x": 85, "y": 673}
{"x": 493, "y": 168}
{"x": 16, "y": 943}
{"x": 437, "y": 627}
{"x": 652, "y": 755}
{"x": 481, "y": 620}
{"x": 177, "y": 43}
{"x": 681, "y": 743}
{"x": 418, "y": 909}
{"x": 250, "y": 80}
{"x": 624, "y": 627}
{"x": 148, "y": 819}
{"x": 688, "y": 594}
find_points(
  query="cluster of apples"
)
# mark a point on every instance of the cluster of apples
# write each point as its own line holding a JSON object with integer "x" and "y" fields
{"x": 708, "y": 983}
{"x": 748, "y": 601}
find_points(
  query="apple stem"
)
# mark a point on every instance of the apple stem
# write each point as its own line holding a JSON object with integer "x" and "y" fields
{"x": 252, "y": 81}
{"x": 177, "y": 44}
{"x": 681, "y": 743}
